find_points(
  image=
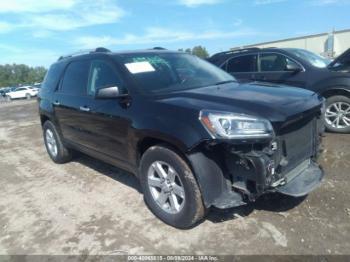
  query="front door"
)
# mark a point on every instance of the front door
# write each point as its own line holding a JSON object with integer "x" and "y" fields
{"x": 107, "y": 122}
{"x": 273, "y": 68}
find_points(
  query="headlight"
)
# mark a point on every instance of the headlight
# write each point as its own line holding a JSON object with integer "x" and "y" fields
{"x": 231, "y": 125}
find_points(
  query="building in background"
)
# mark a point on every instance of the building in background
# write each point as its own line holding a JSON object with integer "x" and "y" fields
{"x": 326, "y": 44}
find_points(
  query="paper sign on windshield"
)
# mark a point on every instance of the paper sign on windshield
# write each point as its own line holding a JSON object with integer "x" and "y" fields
{"x": 140, "y": 67}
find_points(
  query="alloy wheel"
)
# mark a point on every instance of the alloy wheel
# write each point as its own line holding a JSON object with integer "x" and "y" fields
{"x": 51, "y": 142}
{"x": 338, "y": 115}
{"x": 166, "y": 187}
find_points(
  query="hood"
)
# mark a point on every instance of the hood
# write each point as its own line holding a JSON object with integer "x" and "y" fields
{"x": 273, "y": 102}
{"x": 343, "y": 59}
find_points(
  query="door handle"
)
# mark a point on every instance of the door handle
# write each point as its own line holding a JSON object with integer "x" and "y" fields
{"x": 56, "y": 103}
{"x": 84, "y": 108}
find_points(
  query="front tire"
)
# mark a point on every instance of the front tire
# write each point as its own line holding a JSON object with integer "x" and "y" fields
{"x": 170, "y": 188}
{"x": 54, "y": 146}
{"x": 337, "y": 114}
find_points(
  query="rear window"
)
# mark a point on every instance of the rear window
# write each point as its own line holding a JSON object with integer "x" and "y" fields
{"x": 52, "y": 76}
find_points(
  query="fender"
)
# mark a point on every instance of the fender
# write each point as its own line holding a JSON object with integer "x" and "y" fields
{"x": 328, "y": 86}
{"x": 337, "y": 90}
{"x": 215, "y": 187}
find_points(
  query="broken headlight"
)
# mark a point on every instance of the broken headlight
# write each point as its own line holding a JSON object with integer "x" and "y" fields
{"x": 231, "y": 125}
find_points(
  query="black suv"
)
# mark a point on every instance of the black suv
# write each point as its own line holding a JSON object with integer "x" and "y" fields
{"x": 193, "y": 136}
{"x": 296, "y": 67}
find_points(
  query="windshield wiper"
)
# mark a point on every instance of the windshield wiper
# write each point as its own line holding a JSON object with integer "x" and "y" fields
{"x": 225, "y": 82}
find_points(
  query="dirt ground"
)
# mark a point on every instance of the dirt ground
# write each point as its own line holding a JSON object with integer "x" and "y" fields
{"x": 88, "y": 207}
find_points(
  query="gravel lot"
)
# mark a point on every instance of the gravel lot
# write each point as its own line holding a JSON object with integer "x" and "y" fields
{"x": 90, "y": 207}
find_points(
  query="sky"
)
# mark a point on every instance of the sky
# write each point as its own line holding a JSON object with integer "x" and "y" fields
{"x": 37, "y": 32}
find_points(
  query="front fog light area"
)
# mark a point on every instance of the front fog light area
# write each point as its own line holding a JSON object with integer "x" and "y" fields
{"x": 231, "y": 125}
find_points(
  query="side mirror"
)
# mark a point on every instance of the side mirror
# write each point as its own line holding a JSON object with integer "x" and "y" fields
{"x": 293, "y": 68}
{"x": 109, "y": 92}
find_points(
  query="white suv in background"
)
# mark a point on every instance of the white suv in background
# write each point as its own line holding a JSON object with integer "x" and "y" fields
{"x": 22, "y": 92}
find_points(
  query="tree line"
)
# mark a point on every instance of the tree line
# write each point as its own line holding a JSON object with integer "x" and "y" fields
{"x": 19, "y": 74}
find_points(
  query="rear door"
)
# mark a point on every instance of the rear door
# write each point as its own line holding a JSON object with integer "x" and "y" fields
{"x": 273, "y": 68}
{"x": 70, "y": 102}
{"x": 243, "y": 67}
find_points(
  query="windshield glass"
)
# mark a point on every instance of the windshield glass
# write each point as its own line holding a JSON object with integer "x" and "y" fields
{"x": 169, "y": 72}
{"x": 311, "y": 57}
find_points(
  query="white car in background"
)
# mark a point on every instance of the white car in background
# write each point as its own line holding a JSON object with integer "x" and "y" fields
{"x": 22, "y": 92}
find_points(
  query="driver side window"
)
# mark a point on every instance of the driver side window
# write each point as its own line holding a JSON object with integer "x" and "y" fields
{"x": 102, "y": 75}
{"x": 275, "y": 62}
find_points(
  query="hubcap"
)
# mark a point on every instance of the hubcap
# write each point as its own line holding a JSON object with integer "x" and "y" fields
{"x": 338, "y": 115}
{"x": 51, "y": 142}
{"x": 166, "y": 187}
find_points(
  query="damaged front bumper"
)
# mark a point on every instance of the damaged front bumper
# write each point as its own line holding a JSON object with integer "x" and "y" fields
{"x": 233, "y": 174}
{"x": 300, "y": 182}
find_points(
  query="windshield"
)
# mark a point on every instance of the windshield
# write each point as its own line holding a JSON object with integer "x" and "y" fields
{"x": 311, "y": 57}
{"x": 169, "y": 72}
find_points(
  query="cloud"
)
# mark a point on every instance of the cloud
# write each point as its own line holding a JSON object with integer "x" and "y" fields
{"x": 35, "y": 6}
{"x": 61, "y": 15}
{"x": 267, "y": 2}
{"x": 195, "y": 3}
{"x": 9, "y": 48}
{"x": 158, "y": 36}
{"x": 5, "y": 27}
{"x": 28, "y": 56}
{"x": 330, "y": 2}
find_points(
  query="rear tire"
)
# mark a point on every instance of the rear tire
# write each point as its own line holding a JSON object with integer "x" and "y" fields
{"x": 337, "y": 115}
{"x": 170, "y": 188}
{"x": 54, "y": 146}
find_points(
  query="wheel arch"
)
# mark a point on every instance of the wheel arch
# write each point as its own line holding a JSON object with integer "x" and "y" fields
{"x": 336, "y": 91}
{"x": 147, "y": 142}
{"x": 44, "y": 118}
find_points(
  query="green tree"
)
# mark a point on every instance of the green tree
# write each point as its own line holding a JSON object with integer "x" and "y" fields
{"x": 200, "y": 51}
{"x": 188, "y": 50}
{"x": 14, "y": 75}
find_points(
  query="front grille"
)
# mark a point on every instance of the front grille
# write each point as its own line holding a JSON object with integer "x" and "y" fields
{"x": 298, "y": 144}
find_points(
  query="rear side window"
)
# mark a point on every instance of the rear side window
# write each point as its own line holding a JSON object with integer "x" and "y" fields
{"x": 242, "y": 64}
{"x": 75, "y": 78}
{"x": 102, "y": 75}
{"x": 52, "y": 76}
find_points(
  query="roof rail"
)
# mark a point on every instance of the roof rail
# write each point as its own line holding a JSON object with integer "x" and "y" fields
{"x": 238, "y": 50}
{"x": 84, "y": 52}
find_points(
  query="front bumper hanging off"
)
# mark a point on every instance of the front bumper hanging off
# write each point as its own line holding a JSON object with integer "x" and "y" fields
{"x": 218, "y": 189}
{"x": 300, "y": 183}
{"x": 231, "y": 175}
